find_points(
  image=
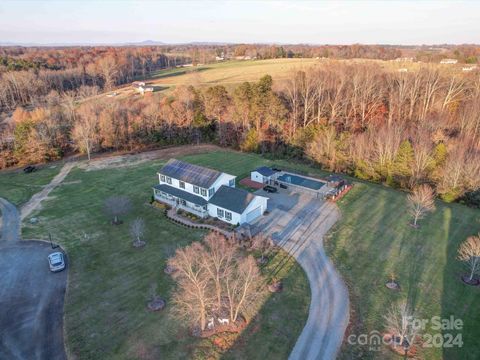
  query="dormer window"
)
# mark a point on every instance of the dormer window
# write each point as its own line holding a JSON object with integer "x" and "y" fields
{"x": 203, "y": 192}
{"x": 169, "y": 180}
{"x": 182, "y": 184}
{"x": 196, "y": 190}
{"x": 231, "y": 183}
{"x": 162, "y": 178}
{"x": 211, "y": 191}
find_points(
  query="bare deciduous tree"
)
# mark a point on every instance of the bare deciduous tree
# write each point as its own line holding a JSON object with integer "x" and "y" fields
{"x": 85, "y": 130}
{"x": 399, "y": 322}
{"x": 421, "y": 201}
{"x": 137, "y": 230}
{"x": 116, "y": 206}
{"x": 193, "y": 296}
{"x": 219, "y": 259}
{"x": 242, "y": 287}
{"x": 214, "y": 279}
{"x": 469, "y": 252}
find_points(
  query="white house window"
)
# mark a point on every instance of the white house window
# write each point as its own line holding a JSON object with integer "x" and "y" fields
{"x": 203, "y": 192}
{"x": 182, "y": 185}
{"x": 228, "y": 215}
{"x": 162, "y": 178}
{"x": 195, "y": 189}
{"x": 220, "y": 213}
{"x": 211, "y": 191}
{"x": 231, "y": 183}
{"x": 169, "y": 180}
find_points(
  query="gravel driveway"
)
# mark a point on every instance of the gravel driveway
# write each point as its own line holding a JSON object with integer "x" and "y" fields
{"x": 297, "y": 223}
{"x": 31, "y": 297}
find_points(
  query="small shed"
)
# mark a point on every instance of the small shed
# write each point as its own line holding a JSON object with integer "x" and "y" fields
{"x": 335, "y": 181}
{"x": 262, "y": 174}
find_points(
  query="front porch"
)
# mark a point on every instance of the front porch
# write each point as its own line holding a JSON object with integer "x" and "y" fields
{"x": 179, "y": 203}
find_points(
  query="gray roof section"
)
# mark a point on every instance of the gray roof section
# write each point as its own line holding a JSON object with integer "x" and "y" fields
{"x": 232, "y": 199}
{"x": 265, "y": 171}
{"x": 192, "y": 174}
{"x": 181, "y": 194}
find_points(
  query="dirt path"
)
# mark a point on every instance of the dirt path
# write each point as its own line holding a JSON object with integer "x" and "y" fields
{"x": 120, "y": 160}
{"x": 298, "y": 224}
{"x": 36, "y": 199}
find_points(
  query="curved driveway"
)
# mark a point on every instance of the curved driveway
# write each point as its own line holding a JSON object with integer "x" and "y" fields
{"x": 31, "y": 297}
{"x": 298, "y": 223}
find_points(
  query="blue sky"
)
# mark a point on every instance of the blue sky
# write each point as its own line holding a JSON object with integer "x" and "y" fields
{"x": 316, "y": 22}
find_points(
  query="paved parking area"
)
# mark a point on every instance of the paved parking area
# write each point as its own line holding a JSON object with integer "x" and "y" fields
{"x": 31, "y": 303}
{"x": 31, "y": 297}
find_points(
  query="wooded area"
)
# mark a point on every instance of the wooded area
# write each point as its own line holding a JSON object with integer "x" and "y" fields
{"x": 400, "y": 128}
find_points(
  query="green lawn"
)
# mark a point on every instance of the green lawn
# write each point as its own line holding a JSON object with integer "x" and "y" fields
{"x": 373, "y": 240}
{"x": 109, "y": 280}
{"x": 17, "y": 187}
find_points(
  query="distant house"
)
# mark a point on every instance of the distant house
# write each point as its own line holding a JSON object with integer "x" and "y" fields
{"x": 137, "y": 84}
{"x": 469, "y": 68}
{"x": 402, "y": 70}
{"x": 449, "y": 61}
{"x": 262, "y": 175}
{"x": 207, "y": 192}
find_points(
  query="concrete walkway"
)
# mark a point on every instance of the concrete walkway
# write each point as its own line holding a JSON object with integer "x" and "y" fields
{"x": 299, "y": 227}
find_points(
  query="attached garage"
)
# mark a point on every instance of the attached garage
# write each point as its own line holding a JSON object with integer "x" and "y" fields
{"x": 236, "y": 206}
{"x": 252, "y": 215}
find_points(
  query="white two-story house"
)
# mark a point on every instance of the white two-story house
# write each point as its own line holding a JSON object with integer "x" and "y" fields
{"x": 207, "y": 192}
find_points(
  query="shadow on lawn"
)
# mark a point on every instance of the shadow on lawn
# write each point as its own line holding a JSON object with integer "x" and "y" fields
{"x": 455, "y": 292}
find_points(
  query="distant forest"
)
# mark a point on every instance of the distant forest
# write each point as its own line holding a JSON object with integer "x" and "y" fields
{"x": 398, "y": 128}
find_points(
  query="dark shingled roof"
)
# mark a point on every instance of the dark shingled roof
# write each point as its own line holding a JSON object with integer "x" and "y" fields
{"x": 181, "y": 194}
{"x": 232, "y": 199}
{"x": 265, "y": 171}
{"x": 192, "y": 174}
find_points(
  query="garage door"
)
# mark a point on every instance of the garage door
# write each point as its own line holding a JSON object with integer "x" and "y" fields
{"x": 254, "y": 214}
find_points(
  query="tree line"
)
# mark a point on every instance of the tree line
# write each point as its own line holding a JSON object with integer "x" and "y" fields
{"x": 28, "y": 75}
{"x": 400, "y": 128}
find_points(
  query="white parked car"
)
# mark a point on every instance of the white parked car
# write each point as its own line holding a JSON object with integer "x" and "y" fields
{"x": 56, "y": 261}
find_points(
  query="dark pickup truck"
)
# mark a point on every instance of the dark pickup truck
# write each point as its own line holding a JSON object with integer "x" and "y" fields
{"x": 269, "y": 189}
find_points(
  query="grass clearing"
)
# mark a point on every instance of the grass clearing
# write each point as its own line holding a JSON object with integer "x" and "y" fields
{"x": 109, "y": 280}
{"x": 373, "y": 239}
{"x": 18, "y": 187}
{"x": 230, "y": 72}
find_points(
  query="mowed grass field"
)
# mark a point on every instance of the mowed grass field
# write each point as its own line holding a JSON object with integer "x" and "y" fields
{"x": 374, "y": 240}
{"x": 109, "y": 280}
{"x": 18, "y": 187}
{"x": 231, "y": 72}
